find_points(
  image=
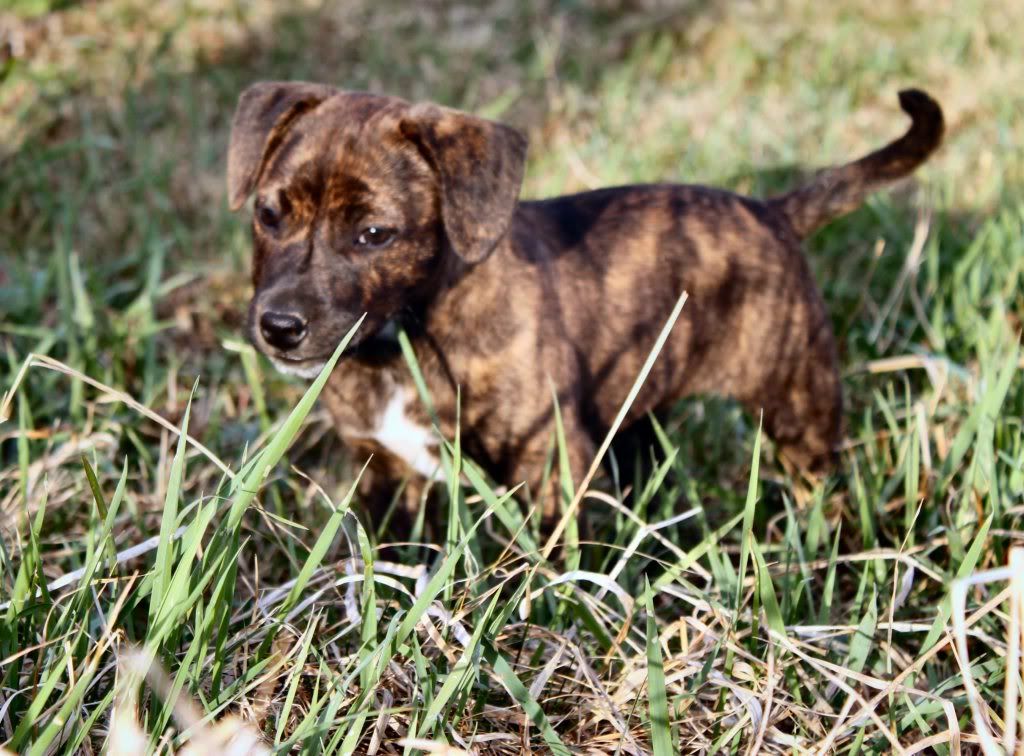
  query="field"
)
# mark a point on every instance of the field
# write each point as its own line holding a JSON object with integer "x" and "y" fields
{"x": 169, "y": 592}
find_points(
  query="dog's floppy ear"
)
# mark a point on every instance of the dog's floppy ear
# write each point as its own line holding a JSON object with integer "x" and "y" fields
{"x": 265, "y": 112}
{"x": 479, "y": 164}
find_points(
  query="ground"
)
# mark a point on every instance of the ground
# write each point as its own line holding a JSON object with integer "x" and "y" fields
{"x": 776, "y": 619}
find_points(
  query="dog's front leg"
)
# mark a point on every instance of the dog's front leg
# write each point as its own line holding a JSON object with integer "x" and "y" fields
{"x": 547, "y": 492}
{"x": 388, "y": 490}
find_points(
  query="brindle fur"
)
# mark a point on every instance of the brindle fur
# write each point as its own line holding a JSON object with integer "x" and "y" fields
{"x": 504, "y": 300}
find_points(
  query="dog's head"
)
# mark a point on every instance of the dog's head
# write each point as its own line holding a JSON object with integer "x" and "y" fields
{"x": 361, "y": 202}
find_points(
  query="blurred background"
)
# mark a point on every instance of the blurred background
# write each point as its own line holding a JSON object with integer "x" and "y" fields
{"x": 114, "y": 113}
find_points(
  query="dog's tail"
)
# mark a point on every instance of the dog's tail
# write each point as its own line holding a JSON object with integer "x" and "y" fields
{"x": 836, "y": 191}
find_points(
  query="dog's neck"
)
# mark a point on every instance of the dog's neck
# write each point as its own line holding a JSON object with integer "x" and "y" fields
{"x": 379, "y": 347}
{"x": 435, "y": 319}
{"x": 454, "y": 285}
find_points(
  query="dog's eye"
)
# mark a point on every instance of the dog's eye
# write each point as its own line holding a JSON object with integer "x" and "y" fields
{"x": 375, "y": 236}
{"x": 268, "y": 217}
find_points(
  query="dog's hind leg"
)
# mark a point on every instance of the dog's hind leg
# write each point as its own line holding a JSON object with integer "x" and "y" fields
{"x": 804, "y": 416}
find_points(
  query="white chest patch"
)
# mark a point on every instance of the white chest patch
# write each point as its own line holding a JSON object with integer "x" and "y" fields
{"x": 406, "y": 438}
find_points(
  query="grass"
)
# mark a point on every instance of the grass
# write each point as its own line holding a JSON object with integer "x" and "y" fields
{"x": 201, "y": 593}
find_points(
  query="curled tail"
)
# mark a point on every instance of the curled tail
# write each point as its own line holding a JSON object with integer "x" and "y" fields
{"x": 836, "y": 191}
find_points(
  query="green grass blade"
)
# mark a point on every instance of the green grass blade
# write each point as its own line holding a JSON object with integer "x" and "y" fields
{"x": 319, "y": 550}
{"x": 828, "y": 591}
{"x": 692, "y": 556}
{"x": 438, "y": 580}
{"x": 247, "y": 487}
{"x": 462, "y": 675}
{"x": 864, "y": 637}
{"x": 368, "y": 635}
{"x": 766, "y": 591}
{"x": 988, "y": 407}
{"x": 661, "y": 730}
{"x": 162, "y": 569}
{"x": 966, "y": 568}
{"x": 747, "y": 532}
{"x": 298, "y": 667}
{"x": 519, "y": 692}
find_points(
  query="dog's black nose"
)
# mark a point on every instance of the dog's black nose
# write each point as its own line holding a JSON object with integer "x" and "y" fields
{"x": 282, "y": 330}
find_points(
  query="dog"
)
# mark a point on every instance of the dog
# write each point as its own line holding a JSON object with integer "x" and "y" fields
{"x": 410, "y": 213}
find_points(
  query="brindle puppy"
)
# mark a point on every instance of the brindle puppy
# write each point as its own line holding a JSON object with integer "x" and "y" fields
{"x": 410, "y": 214}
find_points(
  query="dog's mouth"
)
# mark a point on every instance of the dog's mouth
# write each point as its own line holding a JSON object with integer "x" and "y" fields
{"x": 308, "y": 368}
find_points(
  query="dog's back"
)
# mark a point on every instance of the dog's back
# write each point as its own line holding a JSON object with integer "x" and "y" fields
{"x": 613, "y": 262}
